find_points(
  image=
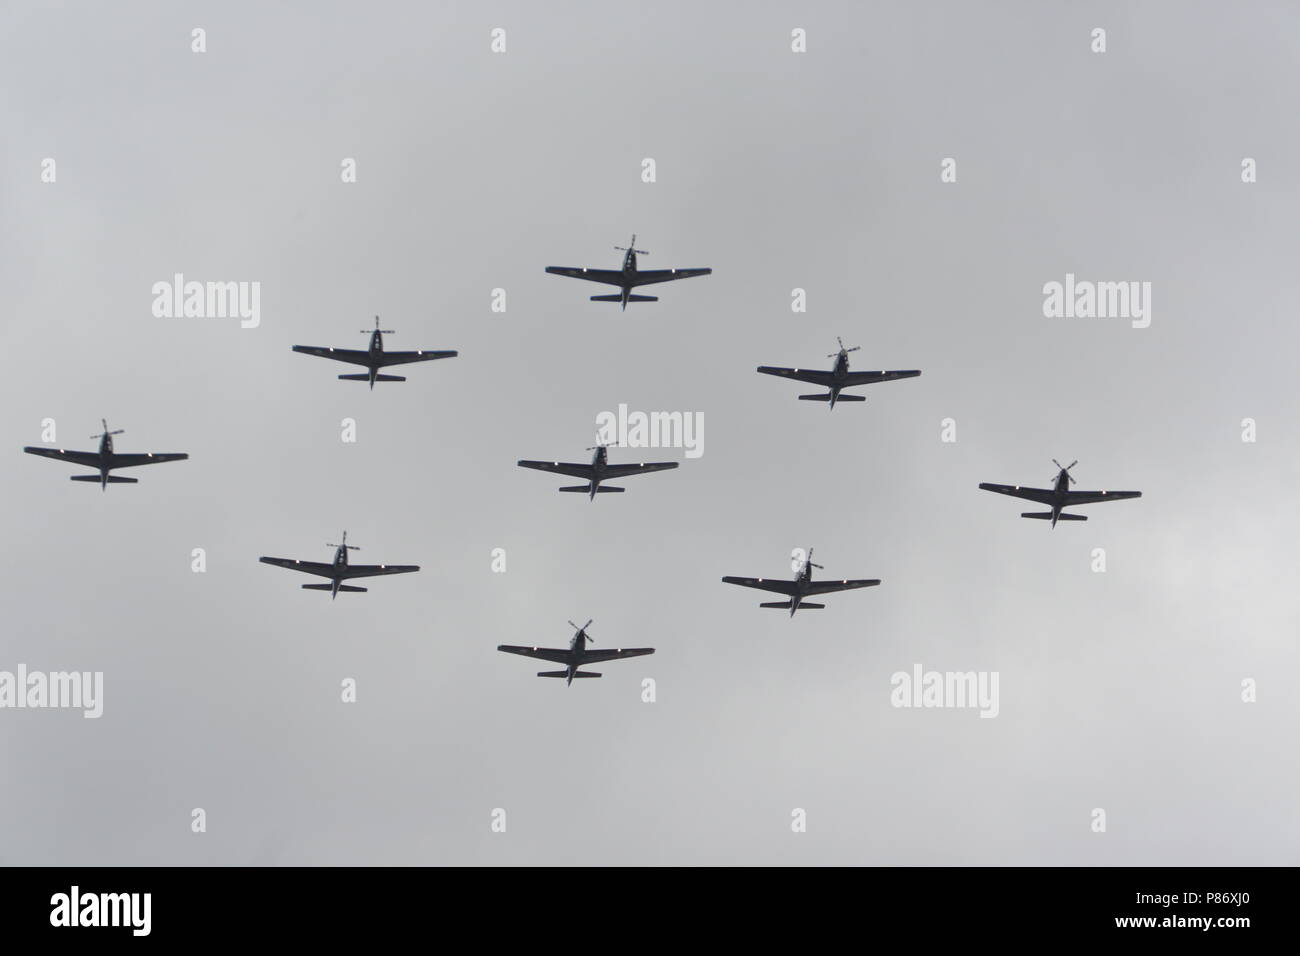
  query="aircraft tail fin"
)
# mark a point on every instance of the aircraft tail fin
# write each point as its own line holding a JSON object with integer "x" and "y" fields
{"x": 112, "y": 479}
{"x": 1047, "y": 516}
{"x": 826, "y": 397}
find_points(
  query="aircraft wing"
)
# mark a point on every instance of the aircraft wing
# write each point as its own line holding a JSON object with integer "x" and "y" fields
{"x": 373, "y": 570}
{"x": 90, "y": 458}
{"x": 1092, "y": 497}
{"x": 614, "y": 654}
{"x": 828, "y": 587}
{"x": 607, "y": 276}
{"x": 1042, "y": 495}
{"x": 572, "y": 469}
{"x": 130, "y": 461}
{"x": 651, "y": 276}
{"x": 310, "y": 567}
{"x": 811, "y": 375}
{"x": 402, "y": 358}
{"x": 626, "y": 471}
{"x": 764, "y": 584}
{"x": 555, "y": 654}
{"x": 867, "y": 378}
{"x": 355, "y": 356}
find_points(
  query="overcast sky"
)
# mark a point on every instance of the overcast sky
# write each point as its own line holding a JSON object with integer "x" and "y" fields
{"x": 1118, "y": 690}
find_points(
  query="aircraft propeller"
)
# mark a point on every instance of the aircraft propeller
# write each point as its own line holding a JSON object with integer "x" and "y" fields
{"x": 842, "y": 348}
{"x": 583, "y": 629}
{"x": 631, "y": 248}
{"x": 1066, "y": 469}
{"x": 350, "y": 547}
{"x": 104, "y": 422}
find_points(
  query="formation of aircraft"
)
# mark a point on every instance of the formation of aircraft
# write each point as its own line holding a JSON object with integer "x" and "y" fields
{"x": 339, "y": 570}
{"x": 576, "y": 655}
{"x": 374, "y": 358}
{"x": 1059, "y": 496}
{"x": 838, "y": 378}
{"x": 597, "y": 471}
{"x": 801, "y": 587}
{"x": 106, "y": 459}
{"x": 627, "y": 278}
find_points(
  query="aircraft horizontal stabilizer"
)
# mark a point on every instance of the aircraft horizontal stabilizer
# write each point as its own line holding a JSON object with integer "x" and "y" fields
{"x": 585, "y": 489}
{"x": 552, "y": 673}
{"x": 112, "y": 479}
{"x": 781, "y": 604}
{"x": 585, "y": 674}
{"x": 630, "y": 298}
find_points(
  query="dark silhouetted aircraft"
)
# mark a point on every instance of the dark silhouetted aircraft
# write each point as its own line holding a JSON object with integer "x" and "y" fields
{"x": 339, "y": 571}
{"x": 599, "y": 470}
{"x": 837, "y": 378}
{"x": 1059, "y": 495}
{"x": 627, "y": 278}
{"x": 576, "y": 655}
{"x": 105, "y": 459}
{"x": 373, "y": 358}
{"x": 801, "y": 587}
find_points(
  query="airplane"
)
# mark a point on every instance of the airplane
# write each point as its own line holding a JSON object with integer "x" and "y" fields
{"x": 599, "y": 470}
{"x": 374, "y": 358}
{"x": 1059, "y": 495}
{"x": 105, "y": 459}
{"x": 801, "y": 587}
{"x": 339, "y": 570}
{"x": 575, "y": 656}
{"x": 628, "y": 278}
{"x": 837, "y": 378}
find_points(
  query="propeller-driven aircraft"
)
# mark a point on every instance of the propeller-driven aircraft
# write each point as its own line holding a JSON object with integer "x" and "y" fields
{"x": 339, "y": 570}
{"x": 105, "y": 460}
{"x": 374, "y": 358}
{"x": 576, "y": 655}
{"x": 627, "y": 278}
{"x": 838, "y": 378}
{"x": 1059, "y": 496}
{"x": 801, "y": 587}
